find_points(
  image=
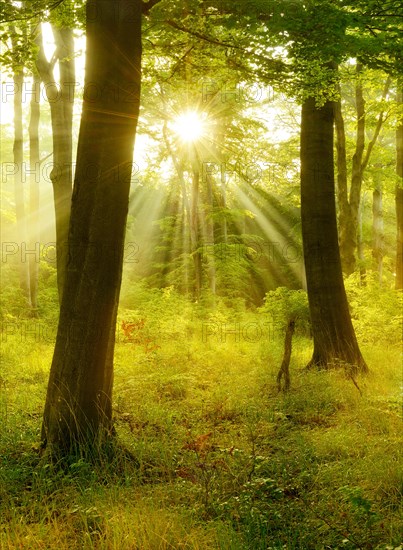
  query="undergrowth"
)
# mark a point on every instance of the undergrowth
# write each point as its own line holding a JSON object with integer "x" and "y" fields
{"x": 208, "y": 454}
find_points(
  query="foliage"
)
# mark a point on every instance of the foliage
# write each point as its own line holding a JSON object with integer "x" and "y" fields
{"x": 376, "y": 310}
{"x": 13, "y": 304}
{"x": 285, "y": 305}
{"x": 208, "y": 454}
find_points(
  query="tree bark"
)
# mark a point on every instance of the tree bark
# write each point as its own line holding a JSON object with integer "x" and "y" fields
{"x": 399, "y": 200}
{"x": 78, "y": 410}
{"x": 333, "y": 333}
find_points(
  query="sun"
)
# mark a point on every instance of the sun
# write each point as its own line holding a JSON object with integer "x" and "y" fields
{"x": 189, "y": 126}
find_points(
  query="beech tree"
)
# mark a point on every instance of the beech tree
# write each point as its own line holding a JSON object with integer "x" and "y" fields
{"x": 28, "y": 44}
{"x": 349, "y": 199}
{"x": 61, "y": 101}
{"x": 34, "y": 192}
{"x": 78, "y": 410}
{"x": 315, "y": 37}
{"x": 18, "y": 61}
{"x": 333, "y": 333}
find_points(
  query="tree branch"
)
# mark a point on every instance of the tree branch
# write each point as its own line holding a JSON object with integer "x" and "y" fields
{"x": 378, "y": 127}
{"x": 277, "y": 65}
{"x": 31, "y": 14}
{"x": 202, "y": 36}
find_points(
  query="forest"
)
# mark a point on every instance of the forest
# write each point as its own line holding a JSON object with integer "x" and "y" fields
{"x": 201, "y": 274}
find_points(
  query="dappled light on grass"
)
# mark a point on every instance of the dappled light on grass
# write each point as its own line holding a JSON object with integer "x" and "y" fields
{"x": 210, "y": 455}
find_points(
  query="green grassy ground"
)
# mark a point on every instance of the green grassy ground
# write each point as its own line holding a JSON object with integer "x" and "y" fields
{"x": 210, "y": 455}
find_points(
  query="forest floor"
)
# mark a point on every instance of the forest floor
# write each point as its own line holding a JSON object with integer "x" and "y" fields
{"x": 210, "y": 455}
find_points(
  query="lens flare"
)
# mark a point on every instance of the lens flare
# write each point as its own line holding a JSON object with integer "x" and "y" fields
{"x": 189, "y": 126}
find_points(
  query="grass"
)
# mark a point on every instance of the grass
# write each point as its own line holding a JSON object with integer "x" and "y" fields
{"x": 210, "y": 456}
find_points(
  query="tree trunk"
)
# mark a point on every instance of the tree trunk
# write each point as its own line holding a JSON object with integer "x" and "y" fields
{"x": 61, "y": 101}
{"x": 342, "y": 185}
{"x": 285, "y": 365}
{"x": 195, "y": 231}
{"x": 346, "y": 225}
{"x": 224, "y": 212}
{"x": 360, "y": 244}
{"x": 399, "y": 238}
{"x": 399, "y": 201}
{"x": 186, "y": 223}
{"x": 34, "y": 160}
{"x": 78, "y": 410}
{"x": 209, "y": 232}
{"x": 377, "y": 230}
{"x": 349, "y": 203}
{"x": 218, "y": 148}
{"x": 186, "y": 208}
{"x": 351, "y": 230}
{"x": 333, "y": 333}
{"x": 18, "y": 152}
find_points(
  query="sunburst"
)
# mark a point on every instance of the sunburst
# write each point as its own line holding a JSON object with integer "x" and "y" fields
{"x": 189, "y": 126}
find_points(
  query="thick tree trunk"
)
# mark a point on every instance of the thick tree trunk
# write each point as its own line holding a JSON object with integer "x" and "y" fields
{"x": 333, "y": 333}
{"x": 34, "y": 160}
{"x": 78, "y": 410}
{"x": 399, "y": 202}
{"x": 18, "y": 152}
{"x": 61, "y": 101}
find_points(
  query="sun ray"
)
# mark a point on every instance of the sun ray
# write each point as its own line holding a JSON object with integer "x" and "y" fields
{"x": 278, "y": 235}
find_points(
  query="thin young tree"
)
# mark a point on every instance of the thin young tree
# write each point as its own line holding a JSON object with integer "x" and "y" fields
{"x": 18, "y": 153}
{"x": 34, "y": 191}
